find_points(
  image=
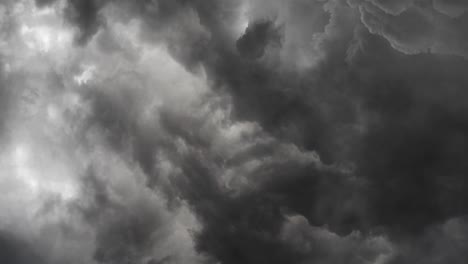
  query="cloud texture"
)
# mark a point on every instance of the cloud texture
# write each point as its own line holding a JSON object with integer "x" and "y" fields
{"x": 220, "y": 131}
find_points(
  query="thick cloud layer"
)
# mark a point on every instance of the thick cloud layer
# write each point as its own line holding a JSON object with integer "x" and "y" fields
{"x": 418, "y": 26}
{"x": 219, "y": 131}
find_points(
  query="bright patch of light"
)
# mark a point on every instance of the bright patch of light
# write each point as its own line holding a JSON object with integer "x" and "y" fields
{"x": 44, "y": 38}
{"x": 42, "y": 30}
{"x": 41, "y": 175}
{"x": 243, "y": 20}
{"x": 86, "y": 75}
{"x": 7, "y": 68}
{"x": 53, "y": 114}
{"x": 21, "y": 158}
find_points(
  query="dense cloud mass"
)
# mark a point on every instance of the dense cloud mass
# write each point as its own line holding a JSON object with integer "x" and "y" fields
{"x": 233, "y": 131}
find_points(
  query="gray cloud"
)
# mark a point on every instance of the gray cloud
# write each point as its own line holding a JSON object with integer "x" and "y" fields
{"x": 15, "y": 251}
{"x": 234, "y": 131}
{"x": 418, "y": 27}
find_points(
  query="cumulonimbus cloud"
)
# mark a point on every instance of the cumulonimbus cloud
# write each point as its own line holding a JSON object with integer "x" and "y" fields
{"x": 223, "y": 131}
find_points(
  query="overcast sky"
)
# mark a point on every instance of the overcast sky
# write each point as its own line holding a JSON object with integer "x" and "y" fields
{"x": 233, "y": 131}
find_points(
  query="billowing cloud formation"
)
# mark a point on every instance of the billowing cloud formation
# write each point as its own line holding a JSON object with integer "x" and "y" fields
{"x": 419, "y": 26}
{"x": 219, "y": 131}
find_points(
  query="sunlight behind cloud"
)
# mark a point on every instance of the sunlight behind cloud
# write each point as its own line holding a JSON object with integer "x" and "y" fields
{"x": 44, "y": 38}
{"x": 86, "y": 75}
{"x": 41, "y": 175}
{"x": 42, "y": 30}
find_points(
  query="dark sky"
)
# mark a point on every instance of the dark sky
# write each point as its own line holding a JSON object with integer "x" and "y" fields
{"x": 234, "y": 131}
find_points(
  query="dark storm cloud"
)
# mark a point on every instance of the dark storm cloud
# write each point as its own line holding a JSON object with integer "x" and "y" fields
{"x": 85, "y": 15}
{"x": 42, "y": 3}
{"x": 413, "y": 150}
{"x": 419, "y": 26}
{"x": 444, "y": 243}
{"x": 383, "y": 106}
{"x": 453, "y": 8}
{"x": 15, "y": 251}
{"x": 256, "y": 38}
{"x": 242, "y": 227}
{"x": 125, "y": 232}
{"x": 246, "y": 227}
{"x": 262, "y": 91}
